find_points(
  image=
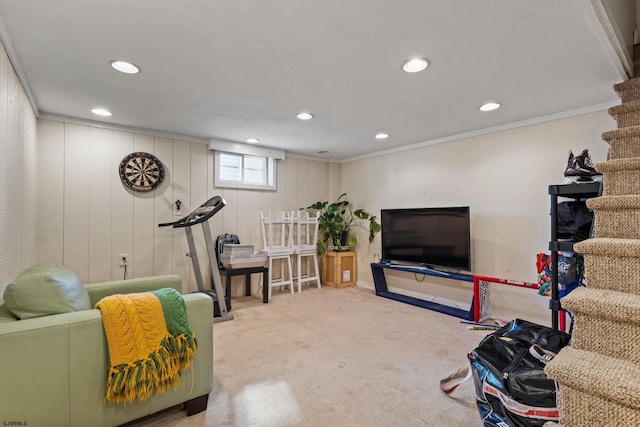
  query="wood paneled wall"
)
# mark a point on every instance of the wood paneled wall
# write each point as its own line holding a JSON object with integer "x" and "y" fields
{"x": 88, "y": 217}
{"x": 18, "y": 176}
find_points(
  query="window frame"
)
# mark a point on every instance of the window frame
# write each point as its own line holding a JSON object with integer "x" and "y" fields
{"x": 269, "y": 174}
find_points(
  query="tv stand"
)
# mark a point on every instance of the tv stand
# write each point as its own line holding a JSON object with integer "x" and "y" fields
{"x": 380, "y": 283}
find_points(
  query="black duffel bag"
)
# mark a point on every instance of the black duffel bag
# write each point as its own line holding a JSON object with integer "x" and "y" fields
{"x": 507, "y": 368}
{"x": 508, "y": 372}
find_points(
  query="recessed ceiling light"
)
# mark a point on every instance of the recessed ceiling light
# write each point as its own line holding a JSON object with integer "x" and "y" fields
{"x": 125, "y": 67}
{"x": 382, "y": 135}
{"x": 305, "y": 116}
{"x": 101, "y": 112}
{"x": 415, "y": 65}
{"x": 252, "y": 140}
{"x": 489, "y": 106}
{"x": 323, "y": 152}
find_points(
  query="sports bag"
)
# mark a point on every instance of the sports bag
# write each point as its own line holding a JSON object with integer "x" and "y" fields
{"x": 574, "y": 220}
{"x": 569, "y": 268}
{"x": 507, "y": 367}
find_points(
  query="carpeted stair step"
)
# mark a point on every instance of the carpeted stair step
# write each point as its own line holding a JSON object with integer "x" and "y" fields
{"x": 626, "y": 114}
{"x": 612, "y": 264}
{"x": 596, "y": 390}
{"x": 623, "y": 142}
{"x": 620, "y": 176}
{"x": 606, "y": 322}
{"x": 628, "y": 90}
{"x": 616, "y": 216}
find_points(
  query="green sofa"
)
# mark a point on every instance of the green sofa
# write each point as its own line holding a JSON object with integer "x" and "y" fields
{"x": 54, "y": 368}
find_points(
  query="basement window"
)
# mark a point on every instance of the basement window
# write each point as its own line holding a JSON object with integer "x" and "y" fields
{"x": 244, "y": 171}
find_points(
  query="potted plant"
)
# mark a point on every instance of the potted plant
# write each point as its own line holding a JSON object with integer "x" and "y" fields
{"x": 336, "y": 220}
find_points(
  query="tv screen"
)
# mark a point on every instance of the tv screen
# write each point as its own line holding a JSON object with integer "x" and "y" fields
{"x": 433, "y": 237}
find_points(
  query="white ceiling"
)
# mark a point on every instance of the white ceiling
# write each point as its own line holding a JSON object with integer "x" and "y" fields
{"x": 234, "y": 69}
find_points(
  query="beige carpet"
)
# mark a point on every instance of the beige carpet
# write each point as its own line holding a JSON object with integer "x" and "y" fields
{"x": 334, "y": 357}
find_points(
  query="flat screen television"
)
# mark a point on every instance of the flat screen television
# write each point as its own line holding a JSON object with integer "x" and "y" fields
{"x": 431, "y": 237}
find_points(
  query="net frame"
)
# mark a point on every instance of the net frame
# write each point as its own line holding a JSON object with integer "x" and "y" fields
{"x": 479, "y": 293}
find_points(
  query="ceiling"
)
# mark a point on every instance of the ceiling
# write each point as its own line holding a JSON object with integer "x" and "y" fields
{"x": 237, "y": 69}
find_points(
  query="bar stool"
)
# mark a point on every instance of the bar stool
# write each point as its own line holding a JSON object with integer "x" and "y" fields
{"x": 277, "y": 243}
{"x": 304, "y": 248}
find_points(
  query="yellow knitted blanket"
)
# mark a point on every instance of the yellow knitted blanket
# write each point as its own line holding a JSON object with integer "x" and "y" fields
{"x": 150, "y": 343}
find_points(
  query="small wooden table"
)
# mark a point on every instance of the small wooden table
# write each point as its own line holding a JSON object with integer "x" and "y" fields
{"x": 339, "y": 269}
{"x": 247, "y": 272}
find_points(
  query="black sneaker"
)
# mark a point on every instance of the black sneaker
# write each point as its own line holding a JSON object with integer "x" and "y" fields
{"x": 581, "y": 166}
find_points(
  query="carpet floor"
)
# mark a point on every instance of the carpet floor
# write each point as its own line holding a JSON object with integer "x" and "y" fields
{"x": 334, "y": 357}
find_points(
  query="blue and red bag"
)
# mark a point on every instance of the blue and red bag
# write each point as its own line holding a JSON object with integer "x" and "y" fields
{"x": 507, "y": 367}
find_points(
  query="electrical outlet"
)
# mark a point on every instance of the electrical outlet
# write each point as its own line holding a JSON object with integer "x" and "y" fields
{"x": 123, "y": 259}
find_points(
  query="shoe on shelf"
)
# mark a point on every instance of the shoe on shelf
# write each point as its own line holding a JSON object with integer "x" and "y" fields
{"x": 581, "y": 167}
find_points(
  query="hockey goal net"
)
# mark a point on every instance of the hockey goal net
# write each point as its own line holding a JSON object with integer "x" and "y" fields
{"x": 506, "y": 299}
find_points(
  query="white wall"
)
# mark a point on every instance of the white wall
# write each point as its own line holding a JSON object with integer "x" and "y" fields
{"x": 622, "y": 14}
{"x": 18, "y": 175}
{"x": 87, "y": 216}
{"x": 619, "y": 22}
{"x": 503, "y": 177}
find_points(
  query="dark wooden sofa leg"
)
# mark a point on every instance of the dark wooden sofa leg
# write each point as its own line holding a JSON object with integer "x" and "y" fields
{"x": 196, "y": 405}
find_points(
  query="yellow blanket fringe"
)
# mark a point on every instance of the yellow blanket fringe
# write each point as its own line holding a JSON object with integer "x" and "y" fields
{"x": 145, "y": 358}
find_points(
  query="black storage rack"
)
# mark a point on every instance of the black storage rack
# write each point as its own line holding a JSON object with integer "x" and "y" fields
{"x": 576, "y": 191}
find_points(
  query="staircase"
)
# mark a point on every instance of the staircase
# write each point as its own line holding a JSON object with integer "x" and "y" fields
{"x": 599, "y": 374}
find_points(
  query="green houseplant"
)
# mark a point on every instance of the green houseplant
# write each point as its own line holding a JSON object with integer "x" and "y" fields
{"x": 336, "y": 220}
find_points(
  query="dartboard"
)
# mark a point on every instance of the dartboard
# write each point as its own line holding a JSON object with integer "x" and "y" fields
{"x": 141, "y": 171}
